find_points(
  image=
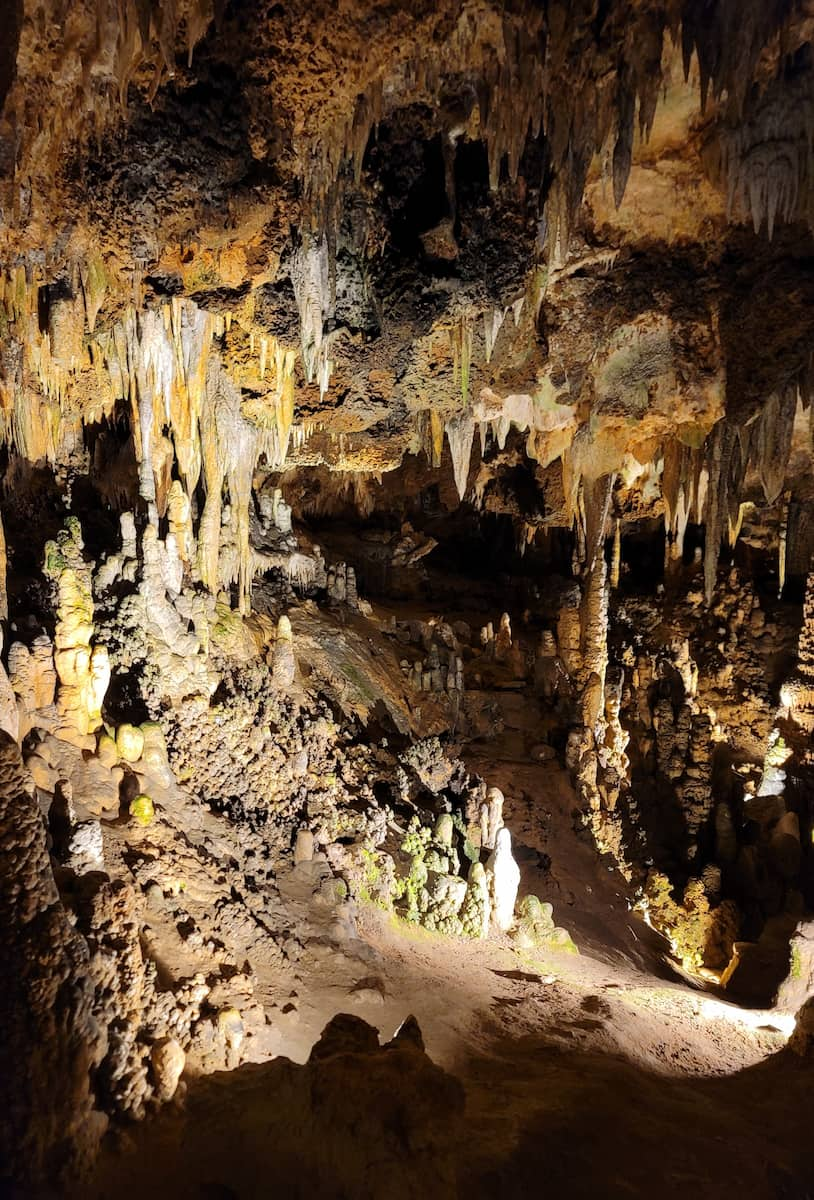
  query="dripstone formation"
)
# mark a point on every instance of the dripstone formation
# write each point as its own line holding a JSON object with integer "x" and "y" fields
{"x": 406, "y": 590}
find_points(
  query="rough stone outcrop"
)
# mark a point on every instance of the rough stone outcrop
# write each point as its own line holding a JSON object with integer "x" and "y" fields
{"x": 49, "y": 1038}
{"x": 358, "y": 1119}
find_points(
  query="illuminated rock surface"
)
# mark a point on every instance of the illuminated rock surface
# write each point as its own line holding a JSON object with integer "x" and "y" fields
{"x": 407, "y": 598}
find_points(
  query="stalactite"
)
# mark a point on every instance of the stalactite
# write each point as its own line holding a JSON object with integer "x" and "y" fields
{"x": 310, "y": 276}
{"x": 623, "y": 148}
{"x": 764, "y": 151}
{"x": 594, "y": 621}
{"x": 597, "y": 497}
{"x": 241, "y": 439}
{"x": 435, "y": 438}
{"x": 734, "y": 484}
{"x": 734, "y": 526}
{"x": 678, "y": 482}
{"x": 153, "y": 366}
{"x": 461, "y": 336}
{"x": 700, "y": 490}
{"x": 461, "y": 434}
{"x": 301, "y": 571}
{"x": 719, "y": 453}
{"x": 492, "y": 323}
{"x": 284, "y": 360}
{"x": 782, "y": 545}
{"x": 681, "y": 521}
{"x": 672, "y": 475}
{"x": 616, "y": 560}
{"x": 213, "y": 477}
{"x": 192, "y": 335}
{"x": 230, "y": 448}
{"x": 94, "y": 279}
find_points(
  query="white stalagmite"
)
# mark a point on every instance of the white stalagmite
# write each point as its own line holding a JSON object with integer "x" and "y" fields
{"x": 504, "y": 874}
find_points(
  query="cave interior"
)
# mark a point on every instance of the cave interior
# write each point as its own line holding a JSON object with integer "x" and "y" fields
{"x": 407, "y": 599}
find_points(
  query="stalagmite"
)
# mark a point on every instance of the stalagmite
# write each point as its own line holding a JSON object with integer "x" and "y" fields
{"x": 569, "y": 634}
{"x": 594, "y": 622}
{"x": 83, "y": 670}
{"x": 242, "y": 302}
{"x": 797, "y": 692}
{"x": 180, "y": 519}
{"x": 782, "y": 546}
{"x": 503, "y": 640}
{"x": 491, "y": 818}
{"x": 3, "y": 574}
{"x": 504, "y": 876}
{"x": 284, "y": 664}
{"x": 476, "y": 912}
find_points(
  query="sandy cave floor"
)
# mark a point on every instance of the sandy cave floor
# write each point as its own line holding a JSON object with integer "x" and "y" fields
{"x": 600, "y": 1074}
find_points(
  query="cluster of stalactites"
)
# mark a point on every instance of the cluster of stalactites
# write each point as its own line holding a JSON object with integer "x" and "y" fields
{"x": 36, "y": 426}
{"x": 122, "y": 37}
{"x": 684, "y": 488}
{"x": 310, "y": 278}
{"x": 534, "y": 75}
{"x": 184, "y": 412}
{"x": 550, "y": 72}
{"x": 52, "y": 352}
{"x": 706, "y": 485}
{"x": 765, "y": 443}
{"x": 491, "y": 415}
{"x": 765, "y": 154}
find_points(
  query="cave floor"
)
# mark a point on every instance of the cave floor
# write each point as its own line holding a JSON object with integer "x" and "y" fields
{"x": 597, "y": 1074}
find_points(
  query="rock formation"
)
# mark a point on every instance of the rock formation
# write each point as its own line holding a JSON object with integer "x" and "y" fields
{"x": 406, "y": 534}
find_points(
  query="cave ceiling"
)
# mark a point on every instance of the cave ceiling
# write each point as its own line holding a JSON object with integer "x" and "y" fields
{"x": 581, "y": 227}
